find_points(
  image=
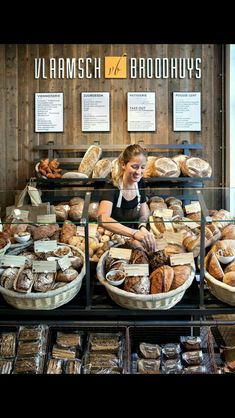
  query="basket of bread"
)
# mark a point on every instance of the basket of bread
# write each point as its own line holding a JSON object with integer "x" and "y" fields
{"x": 163, "y": 288}
{"x": 220, "y": 270}
{"x": 26, "y": 287}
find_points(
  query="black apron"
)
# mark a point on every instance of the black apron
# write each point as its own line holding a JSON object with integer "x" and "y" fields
{"x": 124, "y": 215}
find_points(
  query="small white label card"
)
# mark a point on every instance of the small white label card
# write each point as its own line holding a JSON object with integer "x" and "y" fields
{"x": 120, "y": 253}
{"x": 190, "y": 224}
{"x": 92, "y": 229}
{"x": 181, "y": 259}
{"x": 163, "y": 213}
{"x": 137, "y": 270}
{"x": 173, "y": 237}
{"x": 44, "y": 266}
{"x": 80, "y": 231}
{"x": 168, "y": 225}
{"x": 64, "y": 263}
{"x": 46, "y": 219}
{"x": 12, "y": 261}
{"x": 161, "y": 243}
{"x": 192, "y": 208}
{"x": 45, "y": 246}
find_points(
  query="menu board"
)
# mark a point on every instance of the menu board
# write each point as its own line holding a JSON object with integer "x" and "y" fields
{"x": 95, "y": 112}
{"x": 141, "y": 111}
{"x": 186, "y": 111}
{"x": 49, "y": 115}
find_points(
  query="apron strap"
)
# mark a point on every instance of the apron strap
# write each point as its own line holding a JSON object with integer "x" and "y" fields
{"x": 119, "y": 202}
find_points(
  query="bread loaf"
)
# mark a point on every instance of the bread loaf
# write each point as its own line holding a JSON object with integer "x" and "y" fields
{"x": 179, "y": 159}
{"x": 161, "y": 279}
{"x": 181, "y": 274}
{"x": 214, "y": 267}
{"x": 89, "y": 160}
{"x": 150, "y": 168}
{"x": 102, "y": 168}
{"x": 196, "y": 167}
{"x": 67, "y": 275}
{"x": 166, "y": 167}
{"x": 74, "y": 175}
{"x": 229, "y": 278}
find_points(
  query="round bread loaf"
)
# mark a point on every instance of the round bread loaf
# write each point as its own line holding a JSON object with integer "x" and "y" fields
{"x": 67, "y": 275}
{"x": 166, "y": 167}
{"x": 179, "y": 159}
{"x": 74, "y": 175}
{"x": 229, "y": 278}
{"x": 150, "y": 168}
{"x": 196, "y": 167}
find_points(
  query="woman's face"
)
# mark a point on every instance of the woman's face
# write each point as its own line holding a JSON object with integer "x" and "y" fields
{"x": 134, "y": 169}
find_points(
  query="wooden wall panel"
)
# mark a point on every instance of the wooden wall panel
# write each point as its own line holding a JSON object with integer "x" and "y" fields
{"x": 17, "y": 88}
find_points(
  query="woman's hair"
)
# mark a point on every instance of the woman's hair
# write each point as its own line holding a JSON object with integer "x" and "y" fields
{"x": 129, "y": 152}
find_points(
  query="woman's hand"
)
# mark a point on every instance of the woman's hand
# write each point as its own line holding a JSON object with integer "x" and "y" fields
{"x": 146, "y": 238}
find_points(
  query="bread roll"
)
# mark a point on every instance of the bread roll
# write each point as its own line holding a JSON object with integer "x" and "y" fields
{"x": 67, "y": 275}
{"x": 196, "y": 167}
{"x": 89, "y": 160}
{"x": 229, "y": 278}
{"x": 102, "y": 168}
{"x": 181, "y": 274}
{"x": 166, "y": 167}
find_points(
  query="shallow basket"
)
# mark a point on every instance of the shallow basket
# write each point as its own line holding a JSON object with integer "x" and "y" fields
{"x": 48, "y": 300}
{"x": 134, "y": 301}
{"x": 220, "y": 290}
{"x": 38, "y": 173}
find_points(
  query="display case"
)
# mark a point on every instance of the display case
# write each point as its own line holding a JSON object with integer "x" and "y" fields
{"x": 95, "y": 301}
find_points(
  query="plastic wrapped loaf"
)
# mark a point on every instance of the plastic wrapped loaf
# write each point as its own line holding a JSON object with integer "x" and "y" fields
{"x": 89, "y": 160}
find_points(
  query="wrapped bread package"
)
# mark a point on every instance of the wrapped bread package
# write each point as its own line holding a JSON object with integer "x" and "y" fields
{"x": 89, "y": 160}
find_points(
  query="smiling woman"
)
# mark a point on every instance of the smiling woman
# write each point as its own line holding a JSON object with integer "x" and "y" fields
{"x": 125, "y": 201}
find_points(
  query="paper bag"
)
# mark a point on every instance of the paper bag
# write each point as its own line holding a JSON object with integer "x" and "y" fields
{"x": 29, "y": 194}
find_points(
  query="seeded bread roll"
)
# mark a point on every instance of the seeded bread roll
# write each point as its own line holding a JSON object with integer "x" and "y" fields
{"x": 196, "y": 167}
{"x": 67, "y": 275}
{"x": 89, "y": 160}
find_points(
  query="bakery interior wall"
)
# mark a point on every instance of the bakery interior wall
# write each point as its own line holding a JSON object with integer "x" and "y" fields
{"x": 18, "y": 85}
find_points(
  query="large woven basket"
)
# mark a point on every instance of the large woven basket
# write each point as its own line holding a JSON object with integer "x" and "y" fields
{"x": 220, "y": 290}
{"x": 133, "y": 301}
{"x": 48, "y": 300}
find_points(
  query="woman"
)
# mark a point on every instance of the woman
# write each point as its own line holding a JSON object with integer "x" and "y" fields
{"x": 125, "y": 200}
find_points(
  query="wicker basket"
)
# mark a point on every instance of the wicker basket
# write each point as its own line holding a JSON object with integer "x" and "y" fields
{"x": 133, "y": 301}
{"x": 38, "y": 173}
{"x": 220, "y": 290}
{"x": 3, "y": 250}
{"x": 48, "y": 300}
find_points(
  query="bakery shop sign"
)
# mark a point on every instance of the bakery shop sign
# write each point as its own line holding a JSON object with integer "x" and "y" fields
{"x": 117, "y": 67}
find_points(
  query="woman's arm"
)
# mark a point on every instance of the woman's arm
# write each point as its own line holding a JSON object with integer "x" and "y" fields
{"x": 104, "y": 212}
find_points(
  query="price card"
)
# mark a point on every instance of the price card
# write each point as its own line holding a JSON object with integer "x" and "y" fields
{"x": 168, "y": 225}
{"x": 46, "y": 219}
{"x": 64, "y": 263}
{"x": 173, "y": 237}
{"x": 44, "y": 266}
{"x": 192, "y": 208}
{"x": 45, "y": 246}
{"x": 92, "y": 229}
{"x": 80, "y": 231}
{"x": 192, "y": 224}
{"x": 163, "y": 213}
{"x": 181, "y": 259}
{"x": 120, "y": 253}
{"x": 12, "y": 261}
{"x": 137, "y": 270}
{"x": 161, "y": 243}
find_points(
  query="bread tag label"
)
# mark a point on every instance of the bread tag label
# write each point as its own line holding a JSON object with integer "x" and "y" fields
{"x": 161, "y": 243}
{"x": 80, "y": 231}
{"x": 181, "y": 259}
{"x": 193, "y": 208}
{"x": 168, "y": 225}
{"x": 92, "y": 229}
{"x": 46, "y": 219}
{"x": 190, "y": 224}
{"x": 44, "y": 266}
{"x": 137, "y": 270}
{"x": 120, "y": 253}
{"x": 173, "y": 237}
{"x": 64, "y": 263}
{"x": 163, "y": 213}
{"x": 12, "y": 261}
{"x": 45, "y": 246}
